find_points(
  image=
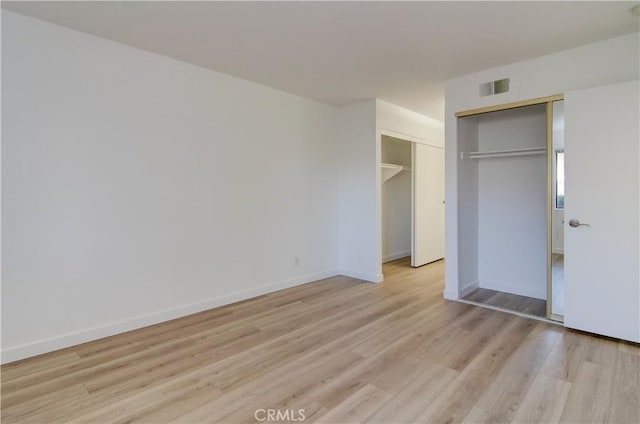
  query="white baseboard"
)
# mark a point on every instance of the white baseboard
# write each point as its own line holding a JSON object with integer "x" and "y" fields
{"x": 395, "y": 256}
{"x": 535, "y": 292}
{"x": 372, "y": 278}
{"x": 47, "y": 345}
{"x": 450, "y": 295}
{"x": 469, "y": 288}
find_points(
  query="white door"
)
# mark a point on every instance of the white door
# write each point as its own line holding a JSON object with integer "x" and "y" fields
{"x": 602, "y": 185}
{"x": 427, "y": 215}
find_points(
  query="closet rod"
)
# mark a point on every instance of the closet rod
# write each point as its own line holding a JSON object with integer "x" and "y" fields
{"x": 504, "y": 153}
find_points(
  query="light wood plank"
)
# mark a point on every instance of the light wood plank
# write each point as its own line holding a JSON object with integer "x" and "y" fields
{"x": 455, "y": 402}
{"x": 625, "y": 398}
{"x": 409, "y": 400}
{"x": 506, "y": 392}
{"x": 589, "y": 399}
{"x": 544, "y": 401}
{"x": 356, "y": 407}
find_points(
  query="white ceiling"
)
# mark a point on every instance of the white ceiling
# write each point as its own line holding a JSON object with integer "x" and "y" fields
{"x": 340, "y": 52}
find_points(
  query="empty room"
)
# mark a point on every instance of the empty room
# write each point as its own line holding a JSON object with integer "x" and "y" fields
{"x": 320, "y": 212}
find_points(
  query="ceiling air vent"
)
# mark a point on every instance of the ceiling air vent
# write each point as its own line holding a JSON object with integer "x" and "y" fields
{"x": 494, "y": 87}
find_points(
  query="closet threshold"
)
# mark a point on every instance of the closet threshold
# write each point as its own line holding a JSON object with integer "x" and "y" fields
{"x": 529, "y": 151}
{"x": 510, "y": 311}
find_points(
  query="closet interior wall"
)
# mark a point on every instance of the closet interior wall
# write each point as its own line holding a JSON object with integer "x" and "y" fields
{"x": 503, "y": 202}
{"x": 468, "y": 206}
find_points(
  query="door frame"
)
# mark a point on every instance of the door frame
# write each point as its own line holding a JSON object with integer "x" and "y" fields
{"x": 413, "y": 140}
{"x": 548, "y": 100}
{"x": 550, "y": 207}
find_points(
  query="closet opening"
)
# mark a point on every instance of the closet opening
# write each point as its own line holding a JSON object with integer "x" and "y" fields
{"x": 503, "y": 205}
{"x": 412, "y": 194}
{"x": 396, "y": 199}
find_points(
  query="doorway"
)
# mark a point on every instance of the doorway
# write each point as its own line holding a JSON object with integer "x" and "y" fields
{"x": 511, "y": 206}
{"x": 503, "y": 208}
{"x": 412, "y": 192}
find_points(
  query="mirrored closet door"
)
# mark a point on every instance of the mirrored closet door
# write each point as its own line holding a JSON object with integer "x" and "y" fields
{"x": 556, "y": 206}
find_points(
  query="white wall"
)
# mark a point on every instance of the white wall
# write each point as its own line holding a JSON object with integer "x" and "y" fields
{"x": 136, "y": 188}
{"x": 396, "y": 201}
{"x": 467, "y": 198}
{"x": 596, "y": 64}
{"x": 512, "y": 204}
{"x": 398, "y": 122}
{"x": 356, "y": 156}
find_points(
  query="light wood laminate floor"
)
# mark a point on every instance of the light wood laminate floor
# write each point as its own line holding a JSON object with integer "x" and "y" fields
{"x": 342, "y": 350}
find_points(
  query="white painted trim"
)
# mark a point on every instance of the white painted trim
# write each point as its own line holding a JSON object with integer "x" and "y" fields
{"x": 395, "y": 256}
{"x": 378, "y": 189}
{"x": 509, "y": 311}
{"x": 411, "y": 138}
{"x": 450, "y": 295}
{"x": 519, "y": 290}
{"x": 413, "y": 204}
{"x": 371, "y": 278}
{"x": 469, "y": 288}
{"x": 47, "y": 345}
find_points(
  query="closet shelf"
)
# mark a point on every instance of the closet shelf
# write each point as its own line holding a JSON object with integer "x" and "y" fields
{"x": 504, "y": 153}
{"x": 389, "y": 170}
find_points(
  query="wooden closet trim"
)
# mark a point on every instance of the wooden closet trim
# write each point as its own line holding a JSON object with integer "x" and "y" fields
{"x": 513, "y": 105}
{"x": 549, "y": 113}
{"x": 550, "y": 206}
